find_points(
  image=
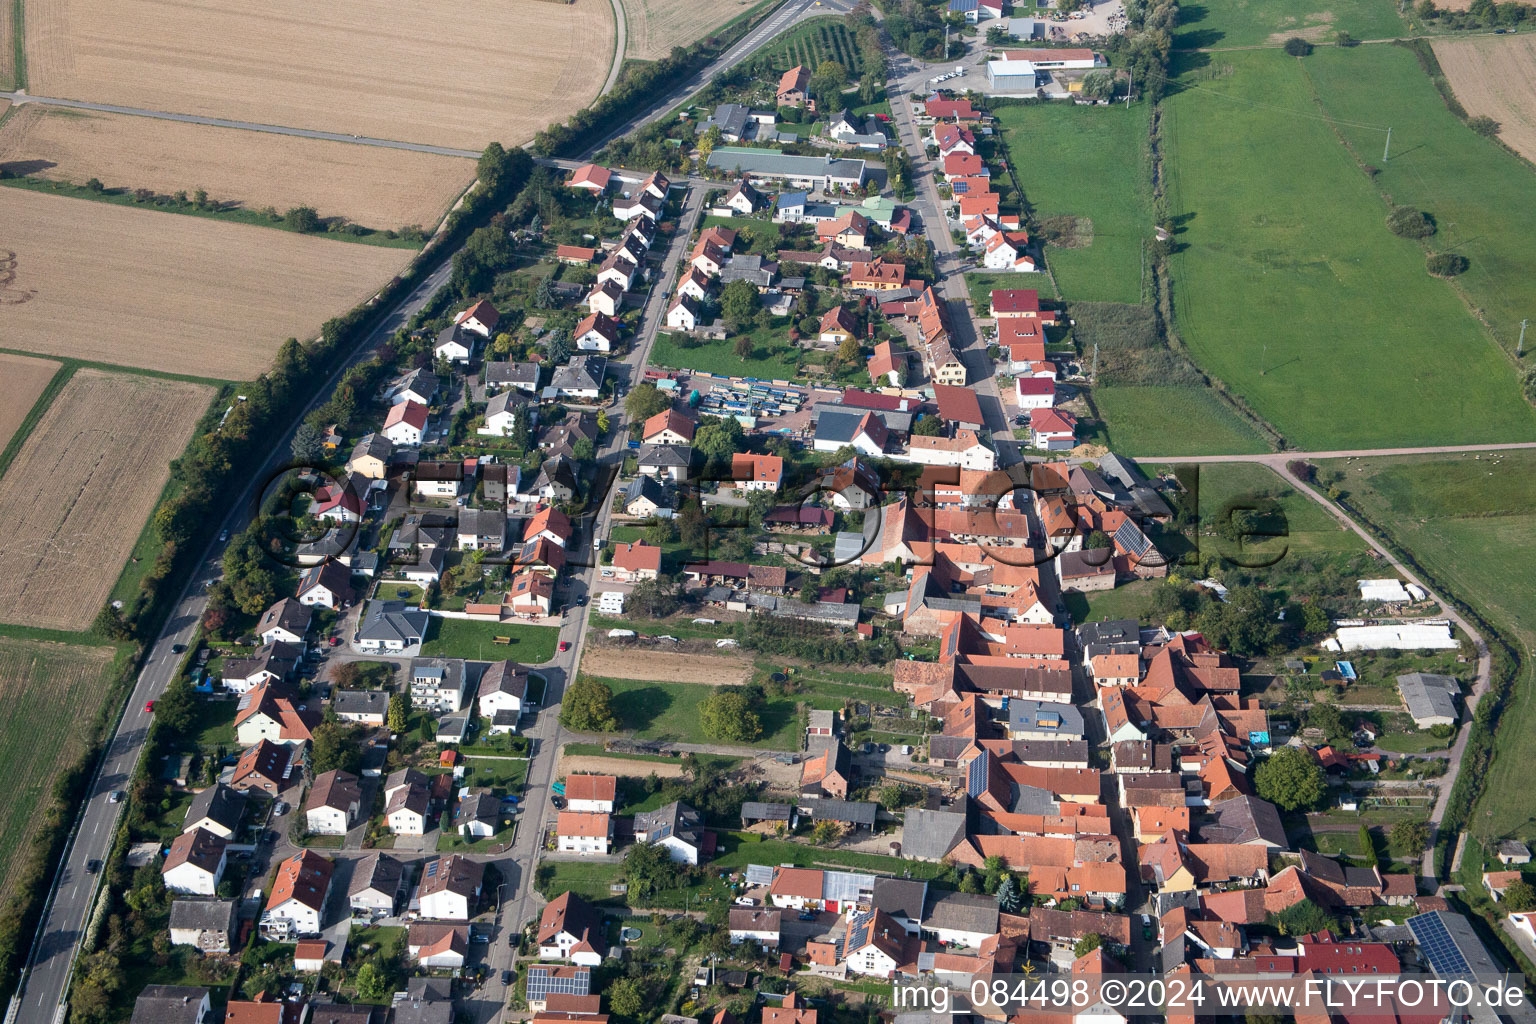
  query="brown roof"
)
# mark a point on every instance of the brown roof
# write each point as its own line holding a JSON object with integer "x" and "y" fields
{"x": 454, "y": 874}
{"x": 199, "y": 847}
{"x": 566, "y": 913}
{"x": 336, "y": 789}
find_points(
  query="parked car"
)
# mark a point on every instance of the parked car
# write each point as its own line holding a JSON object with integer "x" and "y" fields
{"x": 808, "y": 915}
{"x": 565, "y": 645}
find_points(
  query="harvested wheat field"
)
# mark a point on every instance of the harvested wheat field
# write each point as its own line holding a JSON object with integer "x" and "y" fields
{"x": 639, "y": 663}
{"x": 1495, "y": 77}
{"x": 81, "y": 487}
{"x": 455, "y": 74}
{"x": 590, "y": 764}
{"x": 369, "y": 185}
{"x": 50, "y": 692}
{"x": 653, "y": 27}
{"x": 169, "y": 292}
{"x": 25, "y": 378}
{"x": 7, "y": 53}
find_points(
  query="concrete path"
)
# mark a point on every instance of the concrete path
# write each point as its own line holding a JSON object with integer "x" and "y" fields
{"x": 620, "y": 44}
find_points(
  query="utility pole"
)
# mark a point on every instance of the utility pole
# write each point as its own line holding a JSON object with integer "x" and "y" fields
{"x": 1095, "y": 375}
{"x": 1388, "y": 148}
{"x": 1520, "y": 348}
{"x": 946, "y": 41}
{"x": 1132, "y": 87}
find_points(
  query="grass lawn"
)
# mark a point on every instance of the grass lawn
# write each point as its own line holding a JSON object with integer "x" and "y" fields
{"x": 589, "y": 881}
{"x": 52, "y": 692}
{"x": 1411, "y": 742}
{"x": 738, "y": 849}
{"x": 399, "y": 590}
{"x": 1271, "y": 22}
{"x": 1469, "y": 522}
{"x": 1290, "y": 288}
{"x": 772, "y": 354}
{"x": 751, "y": 231}
{"x": 502, "y": 774}
{"x": 670, "y": 711}
{"x": 214, "y": 724}
{"x": 1125, "y": 602}
{"x": 681, "y": 626}
{"x": 597, "y": 750}
{"x": 1094, "y": 163}
{"x": 979, "y": 286}
{"x": 1310, "y": 528}
{"x": 1482, "y": 196}
{"x": 450, "y": 842}
{"x": 465, "y": 638}
{"x": 1158, "y": 420}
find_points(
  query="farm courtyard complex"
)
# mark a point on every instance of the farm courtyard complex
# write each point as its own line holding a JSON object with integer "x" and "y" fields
{"x": 648, "y": 512}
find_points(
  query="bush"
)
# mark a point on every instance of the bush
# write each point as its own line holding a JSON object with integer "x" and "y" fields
{"x": 1484, "y": 126}
{"x": 1446, "y": 264}
{"x": 1406, "y": 222}
{"x": 302, "y": 218}
{"x": 1298, "y": 47}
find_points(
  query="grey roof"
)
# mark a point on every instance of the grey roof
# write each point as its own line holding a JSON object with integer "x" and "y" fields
{"x": 1450, "y": 945}
{"x": 483, "y": 522}
{"x": 278, "y": 658}
{"x": 1033, "y": 800}
{"x": 204, "y": 915}
{"x": 360, "y": 702}
{"x": 1077, "y": 564}
{"x": 582, "y": 373}
{"x": 1428, "y": 695}
{"x": 929, "y": 835}
{"x": 421, "y": 1011}
{"x": 442, "y": 673}
{"x": 1072, "y": 752}
{"x": 555, "y": 471}
{"x": 505, "y": 401}
{"x": 1063, "y": 720}
{"x": 392, "y": 620}
{"x": 665, "y": 456}
{"x": 1245, "y": 819}
{"x": 958, "y": 911}
{"x": 823, "y": 718}
{"x": 749, "y": 267}
{"x": 847, "y": 546}
{"x": 377, "y": 445}
{"x": 648, "y": 487}
{"x": 218, "y": 803}
{"x": 754, "y": 810}
{"x": 377, "y": 871}
{"x": 544, "y": 980}
{"x": 900, "y": 897}
{"x": 287, "y": 613}
{"x": 344, "y": 1013}
{"x": 840, "y": 425}
{"x": 483, "y": 807}
{"x": 772, "y": 163}
{"x": 946, "y": 748}
{"x": 1121, "y": 470}
{"x": 169, "y": 1004}
{"x": 423, "y": 530}
{"x": 894, "y": 419}
{"x": 794, "y": 608}
{"x": 504, "y": 677}
{"x": 675, "y": 819}
{"x": 853, "y": 812}
{"x": 1114, "y": 631}
{"x": 731, "y": 118}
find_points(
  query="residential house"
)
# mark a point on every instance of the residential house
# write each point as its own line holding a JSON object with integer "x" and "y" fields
{"x": 419, "y": 386}
{"x": 1052, "y": 429}
{"x": 327, "y": 585}
{"x": 390, "y": 627}
{"x": 506, "y": 410}
{"x": 482, "y": 529}
{"x": 966, "y": 450}
{"x": 450, "y": 887}
{"x": 454, "y": 344}
{"x": 828, "y": 774}
{"x": 481, "y": 319}
{"x": 744, "y": 199}
{"x": 693, "y": 286}
{"x": 563, "y": 989}
{"x": 272, "y": 663}
{"x": 296, "y": 904}
{"x": 500, "y": 376}
{"x": 406, "y": 423}
{"x": 477, "y": 815}
{"x": 606, "y": 298}
{"x": 205, "y": 924}
{"x": 591, "y": 794}
{"x": 677, "y": 827}
{"x": 876, "y": 276}
{"x": 217, "y": 809}
{"x": 665, "y": 461}
{"x": 960, "y": 919}
{"x": 287, "y": 621}
{"x": 597, "y": 333}
{"x": 852, "y": 229}
{"x": 670, "y": 426}
{"x": 582, "y": 377}
{"x": 334, "y": 802}
{"x": 263, "y": 768}
{"x": 877, "y": 946}
{"x": 433, "y": 944}
{"x": 838, "y": 325}
{"x": 761, "y": 925}
{"x": 371, "y": 457}
{"x": 796, "y": 888}
{"x": 590, "y": 178}
{"x": 794, "y": 86}
{"x": 375, "y": 887}
{"x": 555, "y": 481}
{"x": 757, "y": 472}
{"x": 636, "y": 561}
{"x": 407, "y": 802}
{"x": 887, "y": 367}
{"x": 863, "y": 431}
{"x": 570, "y": 929}
{"x": 577, "y": 832}
{"x": 646, "y": 496}
{"x": 438, "y": 684}
{"x": 683, "y": 315}
{"x": 503, "y": 687}
{"x": 267, "y": 714}
{"x": 172, "y": 1004}
{"x": 195, "y": 863}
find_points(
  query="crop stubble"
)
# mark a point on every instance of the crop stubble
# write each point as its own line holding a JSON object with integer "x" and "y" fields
{"x": 24, "y": 379}
{"x": 369, "y": 185}
{"x": 455, "y": 74}
{"x": 633, "y": 662}
{"x": 653, "y": 27}
{"x": 166, "y": 292}
{"x": 81, "y": 487}
{"x": 1495, "y": 77}
{"x": 50, "y": 692}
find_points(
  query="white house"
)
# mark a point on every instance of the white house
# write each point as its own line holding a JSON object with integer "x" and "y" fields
{"x": 1052, "y": 430}
{"x": 576, "y": 832}
{"x": 569, "y": 929}
{"x": 619, "y": 269}
{"x": 437, "y": 684}
{"x": 296, "y": 904}
{"x": 1034, "y": 392}
{"x": 966, "y": 450}
{"x": 196, "y": 863}
{"x": 206, "y": 924}
{"x": 406, "y": 423}
{"x": 682, "y": 315}
{"x": 502, "y": 414}
{"x": 606, "y": 298}
{"x": 597, "y": 333}
{"x": 1007, "y": 251}
{"x": 375, "y": 886}
{"x": 693, "y": 285}
{"x": 755, "y": 924}
{"x": 503, "y": 687}
{"x": 333, "y": 804}
{"x": 449, "y": 888}
{"x": 407, "y": 799}
{"x": 876, "y": 945}
{"x": 287, "y": 621}
{"x": 436, "y": 945}
{"x": 591, "y": 794}
{"x": 481, "y": 319}
{"x": 743, "y": 199}
{"x": 676, "y": 827}
{"x": 454, "y": 345}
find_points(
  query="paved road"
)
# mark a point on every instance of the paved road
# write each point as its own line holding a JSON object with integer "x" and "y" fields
{"x": 20, "y": 98}
{"x": 620, "y": 44}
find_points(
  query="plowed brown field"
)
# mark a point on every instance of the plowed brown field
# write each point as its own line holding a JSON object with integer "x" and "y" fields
{"x": 1495, "y": 76}
{"x": 80, "y": 488}
{"x": 456, "y": 74}
{"x": 169, "y": 292}
{"x": 24, "y": 379}
{"x": 655, "y": 26}
{"x": 635, "y": 662}
{"x": 369, "y": 185}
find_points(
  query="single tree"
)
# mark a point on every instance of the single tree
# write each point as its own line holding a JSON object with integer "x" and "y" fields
{"x": 1410, "y": 837}
{"x": 627, "y": 998}
{"x": 1298, "y": 47}
{"x": 1008, "y": 898}
{"x": 588, "y": 706}
{"x": 1520, "y": 897}
{"x": 306, "y": 446}
{"x": 928, "y": 425}
{"x": 1291, "y": 779}
{"x": 729, "y": 715}
{"x": 743, "y": 347}
{"x": 399, "y": 713}
{"x": 302, "y": 218}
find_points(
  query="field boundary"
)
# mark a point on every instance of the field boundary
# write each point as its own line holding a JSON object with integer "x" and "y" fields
{"x": 143, "y": 371}
{"x": 121, "y": 195}
{"x": 18, "y": 46}
{"x": 44, "y": 399}
{"x": 1422, "y": 47}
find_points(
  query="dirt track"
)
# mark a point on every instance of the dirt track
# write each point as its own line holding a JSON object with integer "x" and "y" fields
{"x": 1495, "y": 77}
{"x": 636, "y": 662}
{"x": 617, "y": 766}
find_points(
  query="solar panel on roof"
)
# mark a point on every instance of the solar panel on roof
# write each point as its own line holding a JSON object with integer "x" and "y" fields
{"x": 976, "y": 778}
{"x": 1132, "y": 539}
{"x": 1439, "y": 948}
